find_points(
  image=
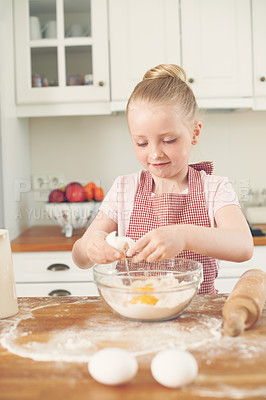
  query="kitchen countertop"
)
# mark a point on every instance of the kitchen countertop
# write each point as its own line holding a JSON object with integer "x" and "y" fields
{"x": 45, "y": 348}
{"x": 50, "y": 238}
{"x": 45, "y": 238}
{"x": 260, "y": 240}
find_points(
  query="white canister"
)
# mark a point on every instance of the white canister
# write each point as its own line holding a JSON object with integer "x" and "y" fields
{"x": 35, "y": 28}
{"x": 8, "y": 297}
{"x": 50, "y": 30}
{"x": 76, "y": 30}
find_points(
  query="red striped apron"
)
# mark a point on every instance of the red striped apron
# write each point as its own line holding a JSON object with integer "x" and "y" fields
{"x": 152, "y": 211}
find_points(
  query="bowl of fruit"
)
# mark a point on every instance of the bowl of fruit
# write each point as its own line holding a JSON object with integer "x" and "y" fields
{"x": 74, "y": 206}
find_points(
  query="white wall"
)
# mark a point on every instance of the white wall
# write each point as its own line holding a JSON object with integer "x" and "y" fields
{"x": 99, "y": 149}
{"x": 15, "y": 149}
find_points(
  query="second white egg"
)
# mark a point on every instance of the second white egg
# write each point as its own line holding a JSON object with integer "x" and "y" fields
{"x": 174, "y": 368}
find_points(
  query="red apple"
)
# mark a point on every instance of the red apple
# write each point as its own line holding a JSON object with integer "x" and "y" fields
{"x": 56, "y": 196}
{"x": 75, "y": 192}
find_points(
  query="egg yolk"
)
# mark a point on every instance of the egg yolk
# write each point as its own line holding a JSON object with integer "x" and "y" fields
{"x": 145, "y": 299}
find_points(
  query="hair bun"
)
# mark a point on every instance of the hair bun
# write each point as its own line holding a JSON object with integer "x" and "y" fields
{"x": 165, "y": 71}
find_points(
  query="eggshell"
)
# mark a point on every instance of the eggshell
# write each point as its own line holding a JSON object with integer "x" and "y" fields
{"x": 113, "y": 366}
{"x": 121, "y": 243}
{"x": 174, "y": 368}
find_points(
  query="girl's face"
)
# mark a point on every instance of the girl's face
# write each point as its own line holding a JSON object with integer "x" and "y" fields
{"x": 161, "y": 138}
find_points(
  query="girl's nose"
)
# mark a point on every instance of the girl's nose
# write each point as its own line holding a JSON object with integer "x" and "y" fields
{"x": 156, "y": 152}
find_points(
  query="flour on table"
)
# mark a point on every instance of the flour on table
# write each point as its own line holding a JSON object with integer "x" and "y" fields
{"x": 230, "y": 392}
{"x": 79, "y": 343}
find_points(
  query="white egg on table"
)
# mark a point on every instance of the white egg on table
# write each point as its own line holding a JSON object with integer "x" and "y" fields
{"x": 113, "y": 366}
{"x": 120, "y": 243}
{"x": 174, "y": 368}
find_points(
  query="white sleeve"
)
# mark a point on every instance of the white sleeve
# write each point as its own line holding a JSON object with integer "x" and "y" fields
{"x": 218, "y": 192}
{"x": 118, "y": 202}
{"x": 109, "y": 205}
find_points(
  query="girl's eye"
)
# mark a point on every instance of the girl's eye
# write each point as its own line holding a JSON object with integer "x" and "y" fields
{"x": 170, "y": 141}
{"x": 141, "y": 144}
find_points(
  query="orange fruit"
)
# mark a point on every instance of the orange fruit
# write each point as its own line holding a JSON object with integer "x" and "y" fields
{"x": 98, "y": 193}
{"x": 89, "y": 189}
{"x": 89, "y": 192}
{"x": 145, "y": 299}
{"x": 90, "y": 184}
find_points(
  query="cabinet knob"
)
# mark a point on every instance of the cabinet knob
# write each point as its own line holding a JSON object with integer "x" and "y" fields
{"x": 58, "y": 267}
{"x": 101, "y": 83}
{"x": 262, "y": 78}
{"x": 59, "y": 293}
{"x": 191, "y": 80}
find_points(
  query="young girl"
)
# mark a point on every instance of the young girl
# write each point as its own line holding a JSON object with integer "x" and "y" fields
{"x": 171, "y": 209}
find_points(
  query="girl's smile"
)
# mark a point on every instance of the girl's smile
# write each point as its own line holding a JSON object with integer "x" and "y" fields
{"x": 159, "y": 165}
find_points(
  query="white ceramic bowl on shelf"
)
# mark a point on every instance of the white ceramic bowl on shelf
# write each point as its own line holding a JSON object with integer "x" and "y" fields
{"x": 72, "y": 215}
{"x": 155, "y": 291}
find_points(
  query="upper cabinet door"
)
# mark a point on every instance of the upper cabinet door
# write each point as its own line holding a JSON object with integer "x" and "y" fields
{"x": 143, "y": 34}
{"x": 216, "y": 47}
{"x": 259, "y": 46}
{"x": 61, "y": 51}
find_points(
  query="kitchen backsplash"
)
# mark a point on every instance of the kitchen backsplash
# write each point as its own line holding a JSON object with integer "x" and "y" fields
{"x": 98, "y": 148}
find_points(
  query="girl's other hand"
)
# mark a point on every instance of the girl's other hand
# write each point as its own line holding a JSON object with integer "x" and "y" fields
{"x": 159, "y": 244}
{"x": 99, "y": 251}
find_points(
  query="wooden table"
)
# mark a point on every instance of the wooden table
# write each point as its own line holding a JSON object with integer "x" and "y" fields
{"x": 65, "y": 332}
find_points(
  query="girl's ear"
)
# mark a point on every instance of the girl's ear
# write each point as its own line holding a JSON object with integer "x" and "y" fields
{"x": 196, "y": 132}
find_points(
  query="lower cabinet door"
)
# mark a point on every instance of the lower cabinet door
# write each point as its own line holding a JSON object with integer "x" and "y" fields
{"x": 56, "y": 289}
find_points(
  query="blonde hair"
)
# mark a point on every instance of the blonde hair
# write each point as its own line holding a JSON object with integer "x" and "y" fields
{"x": 166, "y": 84}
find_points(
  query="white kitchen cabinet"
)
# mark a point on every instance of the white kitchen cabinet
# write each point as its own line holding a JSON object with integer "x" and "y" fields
{"x": 212, "y": 43}
{"x": 56, "y": 290}
{"x": 211, "y": 39}
{"x": 217, "y": 51}
{"x": 61, "y": 55}
{"x": 143, "y": 34}
{"x": 230, "y": 272}
{"x": 51, "y": 274}
{"x": 259, "y": 53}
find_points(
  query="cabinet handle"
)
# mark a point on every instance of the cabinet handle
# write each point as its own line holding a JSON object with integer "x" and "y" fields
{"x": 191, "y": 80}
{"x": 58, "y": 267}
{"x": 262, "y": 78}
{"x": 101, "y": 83}
{"x": 59, "y": 293}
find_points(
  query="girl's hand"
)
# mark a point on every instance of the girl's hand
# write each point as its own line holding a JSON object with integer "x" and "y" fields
{"x": 99, "y": 251}
{"x": 159, "y": 244}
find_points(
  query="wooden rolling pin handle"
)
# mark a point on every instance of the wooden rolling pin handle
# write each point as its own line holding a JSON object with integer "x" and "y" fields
{"x": 235, "y": 324}
{"x": 244, "y": 305}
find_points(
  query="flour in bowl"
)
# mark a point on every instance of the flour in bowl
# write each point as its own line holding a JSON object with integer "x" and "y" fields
{"x": 151, "y": 299}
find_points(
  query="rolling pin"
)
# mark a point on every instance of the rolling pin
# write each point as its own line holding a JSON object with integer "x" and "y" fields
{"x": 244, "y": 305}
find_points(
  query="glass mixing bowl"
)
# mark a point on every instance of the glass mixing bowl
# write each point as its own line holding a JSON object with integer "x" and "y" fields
{"x": 156, "y": 291}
